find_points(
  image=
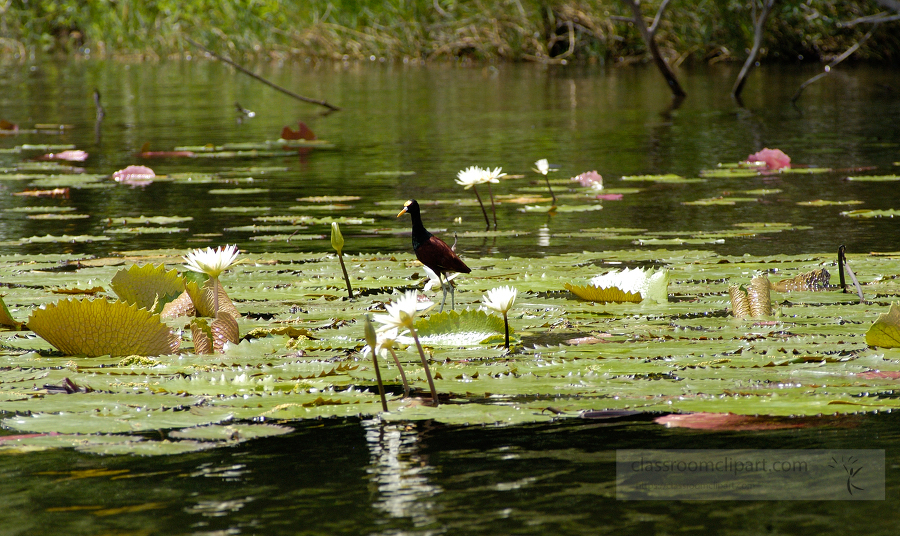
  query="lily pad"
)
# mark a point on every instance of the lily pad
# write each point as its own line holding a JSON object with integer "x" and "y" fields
{"x": 149, "y": 287}
{"x": 468, "y": 327}
{"x": 98, "y": 327}
{"x": 604, "y": 295}
{"x": 889, "y": 213}
{"x": 232, "y": 432}
{"x": 885, "y": 332}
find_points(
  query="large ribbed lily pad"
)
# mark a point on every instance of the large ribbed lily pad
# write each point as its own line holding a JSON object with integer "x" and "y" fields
{"x": 467, "y": 327}
{"x": 99, "y": 327}
{"x": 149, "y": 287}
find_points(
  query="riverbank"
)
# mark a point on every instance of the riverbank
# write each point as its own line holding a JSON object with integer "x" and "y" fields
{"x": 417, "y": 30}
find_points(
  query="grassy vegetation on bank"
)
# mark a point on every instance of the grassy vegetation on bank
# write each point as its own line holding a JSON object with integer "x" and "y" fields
{"x": 515, "y": 30}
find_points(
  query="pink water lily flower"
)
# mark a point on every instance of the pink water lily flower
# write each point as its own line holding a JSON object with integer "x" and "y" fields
{"x": 69, "y": 156}
{"x": 134, "y": 175}
{"x": 591, "y": 179}
{"x": 774, "y": 159}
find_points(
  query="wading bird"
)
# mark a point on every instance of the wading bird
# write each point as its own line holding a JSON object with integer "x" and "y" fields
{"x": 432, "y": 251}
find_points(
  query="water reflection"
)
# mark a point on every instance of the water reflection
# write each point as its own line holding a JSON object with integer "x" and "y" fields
{"x": 400, "y": 472}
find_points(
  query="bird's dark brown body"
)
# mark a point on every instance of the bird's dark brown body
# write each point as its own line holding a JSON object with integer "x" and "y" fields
{"x": 431, "y": 250}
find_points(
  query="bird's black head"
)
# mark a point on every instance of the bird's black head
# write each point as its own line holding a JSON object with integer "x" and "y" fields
{"x": 411, "y": 207}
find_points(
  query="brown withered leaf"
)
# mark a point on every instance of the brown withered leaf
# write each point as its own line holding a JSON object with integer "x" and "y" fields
{"x": 753, "y": 301}
{"x": 147, "y": 153}
{"x": 814, "y": 280}
{"x": 211, "y": 337}
{"x": 303, "y": 132}
{"x": 180, "y": 306}
{"x": 760, "y": 301}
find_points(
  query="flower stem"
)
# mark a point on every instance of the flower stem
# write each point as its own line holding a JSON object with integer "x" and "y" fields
{"x": 415, "y": 336}
{"x": 378, "y": 379}
{"x": 506, "y": 326}
{"x": 215, "y": 281}
{"x": 493, "y": 208}
{"x": 487, "y": 222}
{"x": 346, "y": 277}
{"x": 402, "y": 374}
{"x": 551, "y": 190}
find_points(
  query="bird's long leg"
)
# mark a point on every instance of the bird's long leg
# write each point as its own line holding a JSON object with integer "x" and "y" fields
{"x": 443, "y": 288}
{"x": 452, "y": 295}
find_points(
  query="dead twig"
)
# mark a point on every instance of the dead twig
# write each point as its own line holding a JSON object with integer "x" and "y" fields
{"x": 847, "y": 53}
{"x": 261, "y": 79}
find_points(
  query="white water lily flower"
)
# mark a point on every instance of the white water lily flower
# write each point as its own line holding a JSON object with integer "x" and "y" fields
{"x": 543, "y": 167}
{"x": 650, "y": 284}
{"x": 211, "y": 262}
{"x": 387, "y": 339}
{"x": 402, "y": 313}
{"x": 470, "y": 176}
{"x": 493, "y": 175}
{"x": 474, "y": 175}
{"x": 500, "y": 299}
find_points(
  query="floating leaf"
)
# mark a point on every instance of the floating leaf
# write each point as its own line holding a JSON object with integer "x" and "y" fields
{"x": 241, "y": 209}
{"x": 650, "y": 284}
{"x": 64, "y": 238}
{"x": 56, "y": 216}
{"x": 889, "y": 213}
{"x": 604, "y": 295}
{"x": 6, "y": 319}
{"x": 237, "y": 191}
{"x": 56, "y": 192}
{"x": 561, "y": 208}
{"x": 824, "y": 203}
{"x": 667, "y": 178}
{"x": 231, "y": 432}
{"x": 150, "y": 287}
{"x": 875, "y": 178}
{"x": 721, "y": 200}
{"x": 147, "y": 448}
{"x": 468, "y": 327}
{"x": 73, "y": 291}
{"x": 156, "y": 220}
{"x": 98, "y": 327}
{"x": 329, "y": 198}
{"x": 885, "y": 332}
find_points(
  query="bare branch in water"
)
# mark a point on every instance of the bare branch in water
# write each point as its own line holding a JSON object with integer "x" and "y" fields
{"x": 847, "y": 53}
{"x": 261, "y": 79}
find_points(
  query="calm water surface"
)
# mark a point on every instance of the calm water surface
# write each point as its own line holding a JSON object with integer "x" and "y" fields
{"x": 365, "y": 477}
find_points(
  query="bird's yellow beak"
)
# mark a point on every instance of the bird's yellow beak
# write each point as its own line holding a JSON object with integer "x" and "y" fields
{"x": 402, "y": 212}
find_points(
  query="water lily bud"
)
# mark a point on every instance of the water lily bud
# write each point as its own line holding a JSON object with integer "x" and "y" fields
{"x": 337, "y": 239}
{"x": 371, "y": 337}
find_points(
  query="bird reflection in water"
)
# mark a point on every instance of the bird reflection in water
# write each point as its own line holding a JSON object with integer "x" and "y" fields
{"x": 400, "y": 472}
